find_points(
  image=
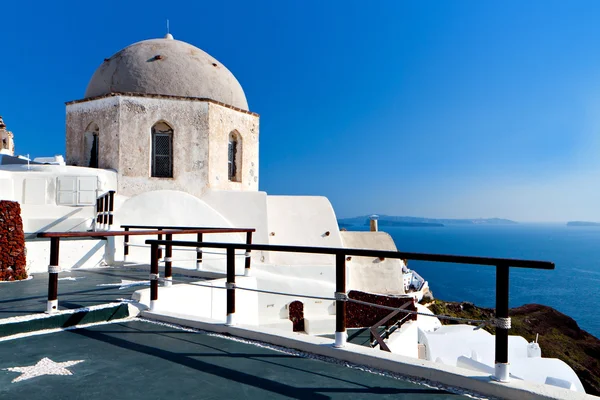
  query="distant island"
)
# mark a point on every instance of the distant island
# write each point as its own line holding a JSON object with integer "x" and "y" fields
{"x": 582, "y": 223}
{"x": 389, "y": 220}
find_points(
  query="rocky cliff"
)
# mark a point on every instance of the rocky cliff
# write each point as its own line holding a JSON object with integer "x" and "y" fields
{"x": 559, "y": 335}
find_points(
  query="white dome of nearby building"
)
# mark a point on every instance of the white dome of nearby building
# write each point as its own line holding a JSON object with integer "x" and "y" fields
{"x": 167, "y": 67}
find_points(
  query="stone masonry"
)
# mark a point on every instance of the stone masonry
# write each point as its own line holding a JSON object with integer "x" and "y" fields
{"x": 6, "y": 139}
{"x": 12, "y": 242}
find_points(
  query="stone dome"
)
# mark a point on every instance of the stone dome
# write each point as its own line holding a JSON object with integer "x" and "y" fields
{"x": 167, "y": 67}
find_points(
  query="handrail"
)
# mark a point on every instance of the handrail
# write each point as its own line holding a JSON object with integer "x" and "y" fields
{"x": 54, "y": 268}
{"x": 490, "y": 261}
{"x": 379, "y": 338}
{"x": 141, "y": 233}
{"x": 501, "y": 370}
{"x": 162, "y": 227}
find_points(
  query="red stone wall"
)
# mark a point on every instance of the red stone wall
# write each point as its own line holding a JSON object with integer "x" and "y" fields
{"x": 12, "y": 242}
{"x": 361, "y": 316}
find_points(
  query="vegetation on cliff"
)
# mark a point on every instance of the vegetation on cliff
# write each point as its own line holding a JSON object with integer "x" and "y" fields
{"x": 559, "y": 335}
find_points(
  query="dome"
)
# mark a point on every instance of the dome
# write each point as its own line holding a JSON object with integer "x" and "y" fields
{"x": 167, "y": 67}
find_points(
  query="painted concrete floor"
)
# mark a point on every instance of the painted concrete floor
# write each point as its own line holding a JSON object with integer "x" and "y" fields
{"x": 76, "y": 289}
{"x": 143, "y": 360}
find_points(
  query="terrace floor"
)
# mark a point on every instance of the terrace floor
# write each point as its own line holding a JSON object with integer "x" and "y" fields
{"x": 138, "y": 359}
{"x": 76, "y": 289}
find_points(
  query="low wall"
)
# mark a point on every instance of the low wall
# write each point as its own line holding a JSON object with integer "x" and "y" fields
{"x": 12, "y": 242}
{"x": 370, "y": 274}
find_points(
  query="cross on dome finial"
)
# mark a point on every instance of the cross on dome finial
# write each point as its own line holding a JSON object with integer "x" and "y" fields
{"x": 168, "y": 35}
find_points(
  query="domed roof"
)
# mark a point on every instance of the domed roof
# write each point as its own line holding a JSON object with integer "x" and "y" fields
{"x": 167, "y": 67}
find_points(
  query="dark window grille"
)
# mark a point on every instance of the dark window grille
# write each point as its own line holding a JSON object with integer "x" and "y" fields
{"x": 232, "y": 160}
{"x": 94, "y": 152}
{"x": 162, "y": 155}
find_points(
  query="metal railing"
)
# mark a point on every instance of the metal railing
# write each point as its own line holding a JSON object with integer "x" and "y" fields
{"x": 54, "y": 268}
{"x": 503, "y": 265}
{"x": 200, "y": 237}
{"x": 105, "y": 205}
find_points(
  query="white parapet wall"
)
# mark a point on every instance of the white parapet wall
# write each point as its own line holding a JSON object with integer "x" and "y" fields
{"x": 74, "y": 254}
{"x": 175, "y": 208}
{"x": 370, "y": 274}
{"x": 302, "y": 221}
{"x": 208, "y": 301}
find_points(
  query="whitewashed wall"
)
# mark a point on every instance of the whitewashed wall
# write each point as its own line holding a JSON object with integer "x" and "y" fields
{"x": 302, "y": 221}
{"x": 369, "y": 274}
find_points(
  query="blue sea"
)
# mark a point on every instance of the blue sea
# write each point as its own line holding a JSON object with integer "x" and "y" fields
{"x": 573, "y": 287}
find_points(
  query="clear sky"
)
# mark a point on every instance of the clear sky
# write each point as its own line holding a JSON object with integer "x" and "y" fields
{"x": 421, "y": 108}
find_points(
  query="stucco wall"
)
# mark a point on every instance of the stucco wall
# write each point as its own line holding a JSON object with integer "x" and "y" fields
{"x": 302, "y": 221}
{"x": 175, "y": 208}
{"x": 105, "y": 113}
{"x": 222, "y": 121}
{"x": 370, "y": 274}
{"x": 35, "y": 188}
{"x": 189, "y": 121}
{"x": 200, "y": 142}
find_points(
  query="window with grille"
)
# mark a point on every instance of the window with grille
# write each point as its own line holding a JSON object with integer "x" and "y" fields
{"x": 232, "y": 160}
{"x": 162, "y": 151}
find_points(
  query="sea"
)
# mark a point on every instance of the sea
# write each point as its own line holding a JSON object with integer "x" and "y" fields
{"x": 573, "y": 288}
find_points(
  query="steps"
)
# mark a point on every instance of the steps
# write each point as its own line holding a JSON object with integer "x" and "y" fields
{"x": 67, "y": 318}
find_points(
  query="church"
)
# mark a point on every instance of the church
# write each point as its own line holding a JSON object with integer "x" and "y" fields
{"x": 167, "y": 128}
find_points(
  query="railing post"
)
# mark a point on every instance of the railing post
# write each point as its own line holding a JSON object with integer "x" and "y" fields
{"x": 230, "y": 286}
{"x": 160, "y": 247}
{"x": 168, "y": 261}
{"x": 99, "y": 207}
{"x": 153, "y": 276}
{"x": 53, "y": 270}
{"x": 340, "y": 303}
{"x": 501, "y": 369}
{"x": 199, "y": 254}
{"x": 126, "y": 246}
{"x": 111, "y": 207}
{"x": 247, "y": 255}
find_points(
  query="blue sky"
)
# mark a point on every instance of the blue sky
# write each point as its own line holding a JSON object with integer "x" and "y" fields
{"x": 424, "y": 108}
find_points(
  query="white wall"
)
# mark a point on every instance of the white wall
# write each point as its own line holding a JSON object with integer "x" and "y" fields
{"x": 206, "y": 302}
{"x": 175, "y": 208}
{"x": 404, "y": 340}
{"x": 73, "y": 254}
{"x": 35, "y": 188}
{"x": 243, "y": 210}
{"x": 302, "y": 221}
{"x": 369, "y": 274}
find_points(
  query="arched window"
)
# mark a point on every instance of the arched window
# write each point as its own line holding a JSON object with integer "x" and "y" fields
{"x": 162, "y": 150}
{"x": 91, "y": 146}
{"x": 234, "y": 159}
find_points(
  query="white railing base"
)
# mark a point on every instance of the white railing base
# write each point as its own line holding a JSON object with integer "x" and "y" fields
{"x": 501, "y": 372}
{"x": 230, "y": 321}
{"x": 340, "y": 339}
{"x": 52, "y": 306}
